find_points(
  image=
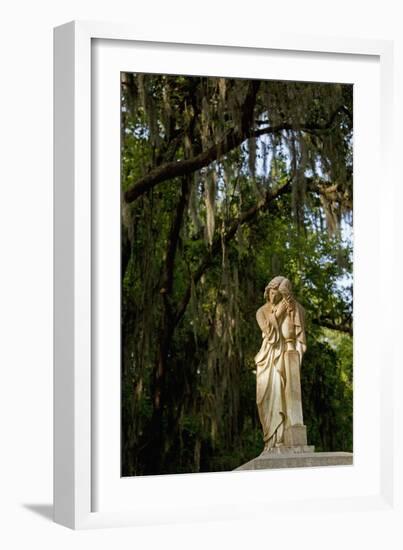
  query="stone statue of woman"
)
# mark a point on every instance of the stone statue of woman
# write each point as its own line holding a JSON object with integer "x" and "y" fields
{"x": 278, "y": 388}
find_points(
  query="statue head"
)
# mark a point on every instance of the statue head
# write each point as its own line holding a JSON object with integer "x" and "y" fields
{"x": 278, "y": 288}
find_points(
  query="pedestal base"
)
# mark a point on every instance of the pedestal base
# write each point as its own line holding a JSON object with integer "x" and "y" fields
{"x": 289, "y": 450}
{"x": 293, "y": 459}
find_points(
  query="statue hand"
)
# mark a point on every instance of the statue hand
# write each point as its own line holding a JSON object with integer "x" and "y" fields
{"x": 290, "y": 302}
{"x": 281, "y": 308}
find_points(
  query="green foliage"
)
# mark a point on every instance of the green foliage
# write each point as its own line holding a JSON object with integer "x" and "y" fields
{"x": 327, "y": 392}
{"x": 198, "y": 250}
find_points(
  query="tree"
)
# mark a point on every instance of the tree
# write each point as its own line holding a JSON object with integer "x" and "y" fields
{"x": 225, "y": 183}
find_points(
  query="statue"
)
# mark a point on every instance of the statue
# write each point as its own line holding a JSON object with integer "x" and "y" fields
{"x": 278, "y": 387}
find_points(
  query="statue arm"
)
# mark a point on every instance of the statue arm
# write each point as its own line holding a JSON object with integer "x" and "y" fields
{"x": 267, "y": 323}
{"x": 261, "y": 321}
{"x": 281, "y": 309}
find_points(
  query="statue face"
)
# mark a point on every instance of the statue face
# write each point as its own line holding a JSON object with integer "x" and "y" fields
{"x": 274, "y": 295}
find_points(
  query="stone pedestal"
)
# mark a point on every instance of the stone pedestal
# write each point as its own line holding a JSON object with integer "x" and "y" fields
{"x": 295, "y": 431}
{"x": 293, "y": 396}
{"x": 295, "y": 435}
{"x": 273, "y": 460}
{"x": 287, "y": 450}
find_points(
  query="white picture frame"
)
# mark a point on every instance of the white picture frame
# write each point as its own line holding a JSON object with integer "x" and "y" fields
{"x": 77, "y": 418}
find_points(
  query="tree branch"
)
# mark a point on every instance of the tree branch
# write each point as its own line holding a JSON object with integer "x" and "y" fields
{"x": 173, "y": 240}
{"x": 344, "y": 326}
{"x": 305, "y": 127}
{"x": 246, "y": 217}
{"x": 175, "y": 169}
{"x": 233, "y": 139}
